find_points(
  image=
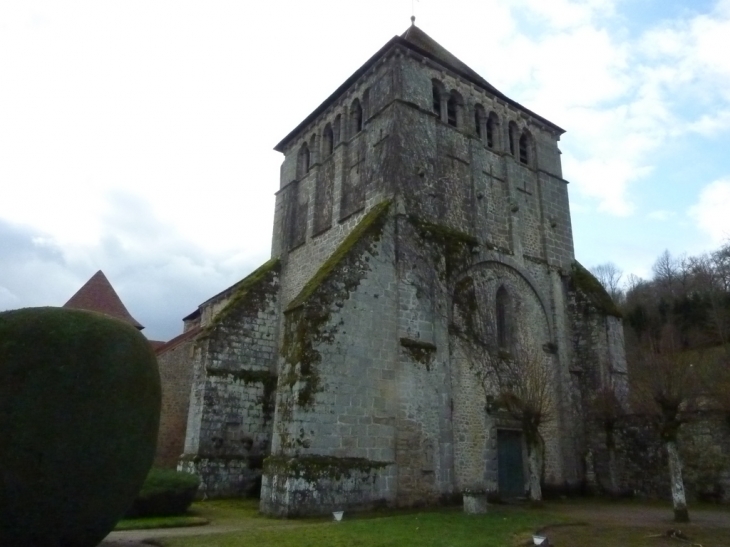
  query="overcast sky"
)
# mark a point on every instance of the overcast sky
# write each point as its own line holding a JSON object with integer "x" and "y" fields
{"x": 136, "y": 136}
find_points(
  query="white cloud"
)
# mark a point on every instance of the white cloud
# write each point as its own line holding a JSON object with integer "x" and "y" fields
{"x": 622, "y": 99}
{"x": 711, "y": 211}
{"x": 710, "y": 125}
{"x": 661, "y": 215}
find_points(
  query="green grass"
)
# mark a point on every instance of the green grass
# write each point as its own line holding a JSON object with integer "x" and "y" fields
{"x": 149, "y": 523}
{"x": 434, "y": 528}
{"x": 572, "y": 523}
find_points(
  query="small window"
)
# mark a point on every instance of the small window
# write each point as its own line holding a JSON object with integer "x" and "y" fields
{"x": 328, "y": 139}
{"x": 303, "y": 160}
{"x": 356, "y": 115}
{"x": 524, "y": 148}
{"x": 451, "y": 107}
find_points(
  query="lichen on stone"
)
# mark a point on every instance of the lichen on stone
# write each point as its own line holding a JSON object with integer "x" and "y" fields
{"x": 364, "y": 226}
{"x": 455, "y": 247}
{"x": 267, "y": 379}
{"x": 420, "y": 351}
{"x": 249, "y": 296}
{"x": 308, "y": 314}
{"x": 313, "y": 468}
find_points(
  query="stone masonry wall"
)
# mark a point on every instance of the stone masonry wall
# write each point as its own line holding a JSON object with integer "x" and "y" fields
{"x": 704, "y": 446}
{"x": 230, "y": 419}
{"x": 474, "y": 315}
{"x": 335, "y": 393}
{"x": 176, "y": 376}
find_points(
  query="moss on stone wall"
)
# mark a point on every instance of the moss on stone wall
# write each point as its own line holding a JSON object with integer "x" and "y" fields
{"x": 267, "y": 379}
{"x": 368, "y": 222}
{"x": 308, "y": 314}
{"x": 585, "y": 283}
{"x": 455, "y": 247}
{"x": 249, "y": 296}
{"x": 313, "y": 468}
{"x": 421, "y": 352}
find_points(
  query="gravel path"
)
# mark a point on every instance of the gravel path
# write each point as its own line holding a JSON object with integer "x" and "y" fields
{"x": 134, "y": 538}
{"x": 638, "y": 516}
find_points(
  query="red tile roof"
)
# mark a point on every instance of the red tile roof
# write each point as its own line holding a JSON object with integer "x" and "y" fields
{"x": 98, "y": 295}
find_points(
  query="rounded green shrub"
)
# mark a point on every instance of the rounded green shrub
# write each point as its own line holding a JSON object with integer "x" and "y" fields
{"x": 79, "y": 412}
{"x": 165, "y": 492}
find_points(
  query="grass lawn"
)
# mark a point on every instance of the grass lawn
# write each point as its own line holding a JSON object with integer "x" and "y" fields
{"x": 501, "y": 527}
{"x": 575, "y": 523}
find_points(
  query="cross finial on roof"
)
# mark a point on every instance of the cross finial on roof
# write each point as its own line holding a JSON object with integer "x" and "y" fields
{"x": 413, "y": 20}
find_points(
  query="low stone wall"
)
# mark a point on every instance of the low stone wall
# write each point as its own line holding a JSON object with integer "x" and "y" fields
{"x": 641, "y": 459}
{"x": 317, "y": 485}
{"x": 222, "y": 477}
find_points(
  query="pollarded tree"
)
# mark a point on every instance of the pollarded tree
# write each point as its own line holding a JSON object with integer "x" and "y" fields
{"x": 606, "y": 410}
{"x": 526, "y": 393}
{"x": 666, "y": 385}
{"x": 513, "y": 372}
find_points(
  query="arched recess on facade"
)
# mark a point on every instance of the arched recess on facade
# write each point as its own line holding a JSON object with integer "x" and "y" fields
{"x": 483, "y": 283}
{"x": 356, "y": 117}
{"x": 455, "y": 109}
{"x": 328, "y": 141}
{"x": 303, "y": 161}
{"x": 526, "y": 148}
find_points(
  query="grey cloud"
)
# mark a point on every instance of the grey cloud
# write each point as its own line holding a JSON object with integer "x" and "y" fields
{"x": 159, "y": 276}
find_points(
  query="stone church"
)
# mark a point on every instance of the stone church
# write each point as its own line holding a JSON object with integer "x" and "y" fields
{"x": 422, "y": 229}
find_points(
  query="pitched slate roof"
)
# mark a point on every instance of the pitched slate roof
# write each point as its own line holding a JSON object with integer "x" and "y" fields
{"x": 420, "y": 42}
{"x": 98, "y": 295}
{"x": 423, "y": 41}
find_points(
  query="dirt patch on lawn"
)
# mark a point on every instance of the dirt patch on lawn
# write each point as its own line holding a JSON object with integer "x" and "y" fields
{"x": 627, "y": 525}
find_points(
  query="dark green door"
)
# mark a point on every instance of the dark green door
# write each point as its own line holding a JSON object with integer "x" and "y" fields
{"x": 511, "y": 480}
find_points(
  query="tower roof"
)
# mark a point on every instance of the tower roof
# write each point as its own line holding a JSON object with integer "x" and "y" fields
{"x": 98, "y": 295}
{"x": 423, "y": 41}
{"x": 420, "y": 42}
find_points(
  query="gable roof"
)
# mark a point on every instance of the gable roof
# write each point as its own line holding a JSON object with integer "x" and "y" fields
{"x": 436, "y": 51}
{"x": 98, "y": 295}
{"x": 420, "y": 42}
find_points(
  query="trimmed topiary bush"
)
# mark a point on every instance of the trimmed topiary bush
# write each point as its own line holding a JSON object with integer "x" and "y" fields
{"x": 79, "y": 412}
{"x": 165, "y": 492}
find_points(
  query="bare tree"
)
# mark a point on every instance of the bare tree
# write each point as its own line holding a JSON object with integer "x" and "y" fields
{"x": 518, "y": 378}
{"x": 609, "y": 275}
{"x": 606, "y": 410}
{"x": 525, "y": 392}
{"x": 665, "y": 269}
{"x": 666, "y": 386}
